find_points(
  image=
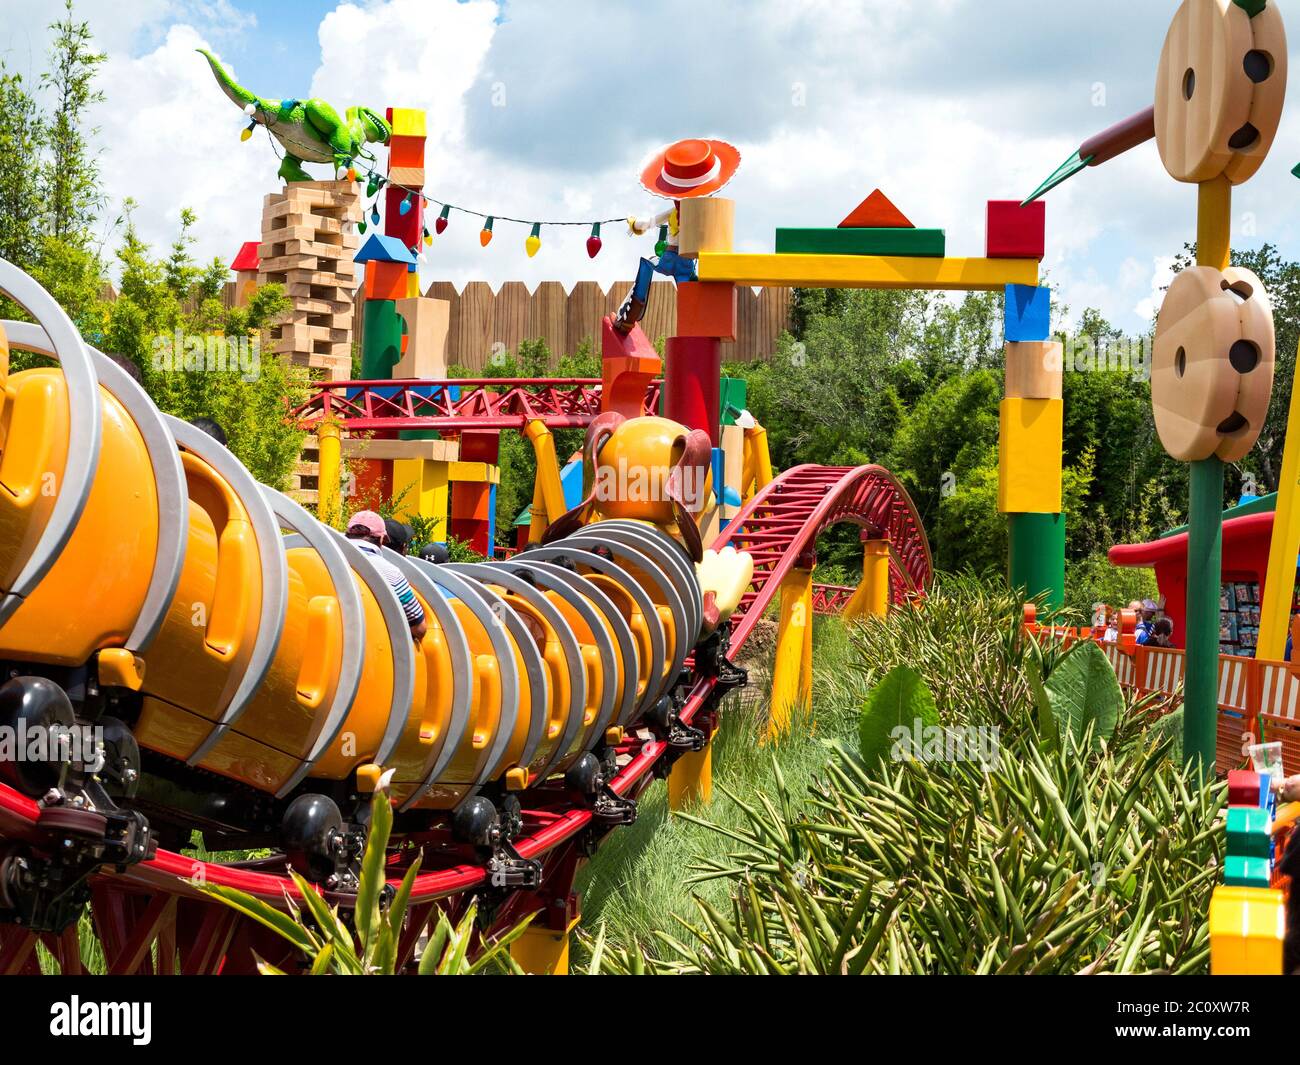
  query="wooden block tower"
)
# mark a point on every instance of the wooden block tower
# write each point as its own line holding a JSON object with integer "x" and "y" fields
{"x": 308, "y": 240}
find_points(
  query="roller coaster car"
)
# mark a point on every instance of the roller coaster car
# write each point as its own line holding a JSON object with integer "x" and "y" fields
{"x": 245, "y": 671}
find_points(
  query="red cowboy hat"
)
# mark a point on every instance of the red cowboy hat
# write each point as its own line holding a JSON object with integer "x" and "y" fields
{"x": 690, "y": 168}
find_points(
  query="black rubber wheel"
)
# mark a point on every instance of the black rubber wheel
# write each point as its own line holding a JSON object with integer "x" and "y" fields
{"x": 29, "y": 705}
{"x": 307, "y": 831}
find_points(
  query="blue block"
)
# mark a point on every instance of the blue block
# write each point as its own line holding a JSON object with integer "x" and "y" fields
{"x": 1028, "y": 313}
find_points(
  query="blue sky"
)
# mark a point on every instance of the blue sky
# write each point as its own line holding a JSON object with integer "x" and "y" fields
{"x": 545, "y": 109}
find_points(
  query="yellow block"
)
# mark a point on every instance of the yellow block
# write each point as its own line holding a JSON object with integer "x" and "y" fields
{"x": 1029, "y": 456}
{"x": 408, "y": 122}
{"x": 867, "y": 271}
{"x": 422, "y": 486}
{"x": 1247, "y": 928}
{"x": 1275, "y": 613}
{"x": 474, "y": 472}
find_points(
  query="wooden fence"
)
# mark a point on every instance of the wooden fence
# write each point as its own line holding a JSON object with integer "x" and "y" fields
{"x": 484, "y": 321}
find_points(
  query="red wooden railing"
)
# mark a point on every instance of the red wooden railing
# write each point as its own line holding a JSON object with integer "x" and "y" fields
{"x": 1259, "y": 700}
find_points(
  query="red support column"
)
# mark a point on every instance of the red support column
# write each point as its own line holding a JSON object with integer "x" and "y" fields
{"x": 692, "y": 383}
{"x": 471, "y": 518}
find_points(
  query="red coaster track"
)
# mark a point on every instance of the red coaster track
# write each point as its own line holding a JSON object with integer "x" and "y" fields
{"x": 156, "y": 903}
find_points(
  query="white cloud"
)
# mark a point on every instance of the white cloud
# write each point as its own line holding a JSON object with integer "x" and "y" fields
{"x": 1162, "y": 276}
{"x": 826, "y": 98}
{"x": 172, "y": 141}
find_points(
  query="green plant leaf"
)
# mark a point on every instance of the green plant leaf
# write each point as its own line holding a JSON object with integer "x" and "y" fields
{"x": 1048, "y": 732}
{"x": 1084, "y": 692}
{"x": 900, "y": 701}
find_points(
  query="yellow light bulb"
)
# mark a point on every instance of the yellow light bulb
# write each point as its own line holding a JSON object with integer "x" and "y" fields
{"x": 532, "y": 244}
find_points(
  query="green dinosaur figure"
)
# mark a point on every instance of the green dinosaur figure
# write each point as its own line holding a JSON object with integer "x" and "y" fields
{"x": 309, "y": 130}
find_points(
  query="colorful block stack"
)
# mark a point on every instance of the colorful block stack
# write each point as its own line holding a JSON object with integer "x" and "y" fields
{"x": 1031, "y": 417}
{"x": 1247, "y": 915}
{"x": 874, "y": 227}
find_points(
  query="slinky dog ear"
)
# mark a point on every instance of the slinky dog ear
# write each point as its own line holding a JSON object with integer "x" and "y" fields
{"x": 598, "y": 432}
{"x": 697, "y": 453}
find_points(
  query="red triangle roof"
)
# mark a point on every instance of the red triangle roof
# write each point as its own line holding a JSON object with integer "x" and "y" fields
{"x": 876, "y": 212}
{"x": 247, "y": 259}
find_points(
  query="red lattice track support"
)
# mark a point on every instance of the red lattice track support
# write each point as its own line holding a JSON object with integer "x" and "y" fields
{"x": 831, "y": 599}
{"x": 461, "y": 405}
{"x": 151, "y": 919}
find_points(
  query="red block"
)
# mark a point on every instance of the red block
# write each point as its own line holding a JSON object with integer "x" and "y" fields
{"x": 876, "y": 212}
{"x": 1016, "y": 232}
{"x": 706, "y": 309}
{"x": 409, "y": 227}
{"x": 1243, "y": 788}
{"x": 386, "y": 281}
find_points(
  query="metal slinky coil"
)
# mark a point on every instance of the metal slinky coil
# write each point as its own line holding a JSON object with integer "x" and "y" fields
{"x": 248, "y": 640}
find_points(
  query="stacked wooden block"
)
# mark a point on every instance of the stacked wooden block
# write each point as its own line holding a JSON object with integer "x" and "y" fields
{"x": 308, "y": 241}
{"x": 1247, "y": 913}
{"x": 305, "y": 248}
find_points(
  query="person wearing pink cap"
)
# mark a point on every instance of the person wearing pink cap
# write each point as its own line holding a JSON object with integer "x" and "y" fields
{"x": 367, "y": 530}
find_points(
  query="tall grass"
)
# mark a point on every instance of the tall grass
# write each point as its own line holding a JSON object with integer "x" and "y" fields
{"x": 1061, "y": 855}
{"x": 636, "y": 882}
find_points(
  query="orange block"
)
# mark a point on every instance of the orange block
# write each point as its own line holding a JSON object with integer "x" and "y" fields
{"x": 876, "y": 212}
{"x": 706, "y": 309}
{"x": 386, "y": 281}
{"x": 405, "y": 151}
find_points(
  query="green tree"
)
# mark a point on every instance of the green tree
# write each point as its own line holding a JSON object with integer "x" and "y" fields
{"x": 22, "y": 139}
{"x": 70, "y": 175}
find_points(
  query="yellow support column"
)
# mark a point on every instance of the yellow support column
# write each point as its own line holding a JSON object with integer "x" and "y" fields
{"x": 329, "y": 472}
{"x": 1214, "y": 223}
{"x": 548, "y": 489}
{"x": 871, "y": 599}
{"x": 691, "y": 779}
{"x": 789, "y": 686}
{"x": 1279, "y": 584}
{"x": 760, "y": 473}
{"x": 544, "y": 951}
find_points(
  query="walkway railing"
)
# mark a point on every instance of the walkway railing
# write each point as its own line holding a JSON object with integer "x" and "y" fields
{"x": 1258, "y": 702}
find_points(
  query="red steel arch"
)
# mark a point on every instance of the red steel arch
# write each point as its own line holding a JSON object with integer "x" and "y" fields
{"x": 780, "y": 525}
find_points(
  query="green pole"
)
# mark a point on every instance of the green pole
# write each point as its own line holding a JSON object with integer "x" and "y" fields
{"x": 1204, "y": 569}
{"x": 1036, "y": 555}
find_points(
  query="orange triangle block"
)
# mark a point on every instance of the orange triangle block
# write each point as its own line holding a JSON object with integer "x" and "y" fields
{"x": 876, "y": 212}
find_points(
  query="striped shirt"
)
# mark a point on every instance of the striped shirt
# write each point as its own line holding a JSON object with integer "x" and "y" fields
{"x": 399, "y": 584}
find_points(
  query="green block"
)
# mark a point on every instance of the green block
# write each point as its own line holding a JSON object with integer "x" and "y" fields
{"x": 1246, "y": 872}
{"x": 381, "y": 339}
{"x": 925, "y": 243}
{"x": 733, "y": 396}
{"x": 1248, "y": 832}
{"x": 1251, "y": 7}
{"x": 1036, "y": 555}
